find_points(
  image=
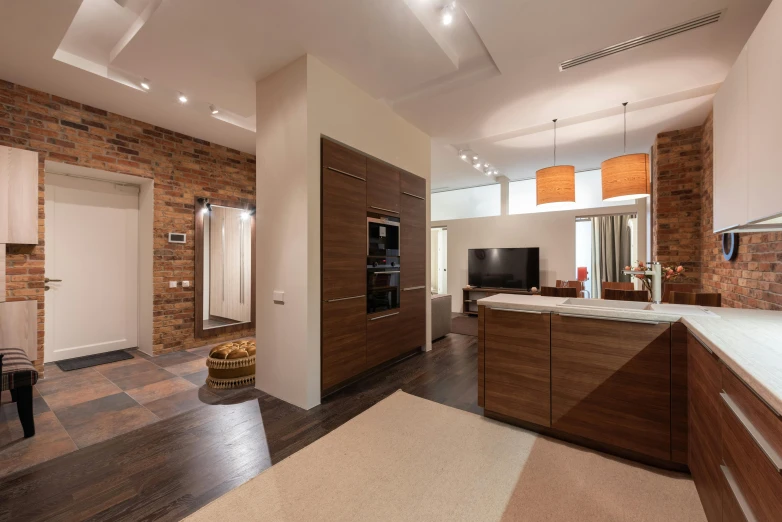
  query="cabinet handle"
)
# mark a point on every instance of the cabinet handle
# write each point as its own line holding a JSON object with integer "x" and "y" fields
{"x": 736, "y": 492}
{"x": 413, "y": 288}
{"x": 758, "y": 437}
{"x": 610, "y": 319}
{"x": 387, "y": 272}
{"x": 413, "y": 195}
{"x": 346, "y": 298}
{"x": 385, "y": 209}
{"x": 346, "y": 173}
{"x": 517, "y": 310}
{"x": 384, "y": 316}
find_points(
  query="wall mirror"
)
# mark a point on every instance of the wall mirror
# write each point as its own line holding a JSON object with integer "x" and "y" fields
{"x": 225, "y": 266}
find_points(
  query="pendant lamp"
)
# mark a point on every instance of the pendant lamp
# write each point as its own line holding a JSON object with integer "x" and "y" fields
{"x": 556, "y": 184}
{"x": 626, "y": 177}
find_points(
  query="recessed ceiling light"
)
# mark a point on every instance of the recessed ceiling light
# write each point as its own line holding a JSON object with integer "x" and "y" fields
{"x": 463, "y": 155}
{"x": 446, "y": 14}
{"x": 475, "y": 158}
{"x": 182, "y": 98}
{"x": 213, "y": 109}
{"x": 145, "y": 84}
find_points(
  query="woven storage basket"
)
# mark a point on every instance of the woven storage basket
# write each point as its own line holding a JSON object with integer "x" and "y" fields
{"x": 231, "y": 365}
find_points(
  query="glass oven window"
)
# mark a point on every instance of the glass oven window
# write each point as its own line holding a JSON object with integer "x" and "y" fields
{"x": 383, "y": 238}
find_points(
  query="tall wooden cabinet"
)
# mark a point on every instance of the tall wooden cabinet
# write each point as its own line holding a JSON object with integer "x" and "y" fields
{"x": 354, "y": 185}
{"x": 18, "y": 196}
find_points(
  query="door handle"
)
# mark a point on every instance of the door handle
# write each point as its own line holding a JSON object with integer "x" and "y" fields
{"x": 47, "y": 280}
{"x": 46, "y": 288}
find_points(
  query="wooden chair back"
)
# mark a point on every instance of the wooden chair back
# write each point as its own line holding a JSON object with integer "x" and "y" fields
{"x": 611, "y": 285}
{"x": 696, "y": 299}
{"x": 678, "y": 287}
{"x": 578, "y": 285}
{"x": 626, "y": 295}
{"x": 552, "y": 291}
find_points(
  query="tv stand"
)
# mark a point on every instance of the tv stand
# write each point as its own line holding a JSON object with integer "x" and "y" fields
{"x": 472, "y": 294}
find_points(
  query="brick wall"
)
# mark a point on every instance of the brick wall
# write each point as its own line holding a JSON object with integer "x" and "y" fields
{"x": 684, "y": 218}
{"x": 182, "y": 167}
{"x": 676, "y": 196}
{"x": 754, "y": 279}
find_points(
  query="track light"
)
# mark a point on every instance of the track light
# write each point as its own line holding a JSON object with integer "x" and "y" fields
{"x": 446, "y": 14}
{"x": 462, "y": 155}
{"x": 475, "y": 158}
{"x": 145, "y": 84}
{"x": 213, "y": 109}
{"x": 182, "y": 98}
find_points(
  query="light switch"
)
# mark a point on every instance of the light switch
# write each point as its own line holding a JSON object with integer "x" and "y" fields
{"x": 172, "y": 284}
{"x": 279, "y": 296}
{"x": 185, "y": 284}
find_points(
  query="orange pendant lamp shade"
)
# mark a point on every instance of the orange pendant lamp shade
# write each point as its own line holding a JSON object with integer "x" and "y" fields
{"x": 556, "y": 185}
{"x": 626, "y": 177}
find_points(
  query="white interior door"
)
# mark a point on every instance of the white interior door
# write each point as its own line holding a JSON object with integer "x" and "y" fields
{"x": 92, "y": 247}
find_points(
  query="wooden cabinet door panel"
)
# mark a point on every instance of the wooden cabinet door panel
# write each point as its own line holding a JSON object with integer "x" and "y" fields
{"x": 344, "y": 236}
{"x": 611, "y": 382}
{"x": 382, "y": 338}
{"x": 382, "y": 188}
{"x": 412, "y": 185}
{"x": 704, "y": 383}
{"x": 344, "y": 340}
{"x": 18, "y": 196}
{"x": 517, "y": 364}
{"x": 412, "y": 320}
{"x": 340, "y": 158}
{"x": 413, "y": 241}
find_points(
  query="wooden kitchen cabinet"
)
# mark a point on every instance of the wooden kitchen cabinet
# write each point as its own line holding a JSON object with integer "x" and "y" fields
{"x": 338, "y": 158}
{"x": 412, "y": 320}
{"x": 343, "y": 235}
{"x": 731, "y": 148}
{"x": 412, "y": 185}
{"x": 382, "y": 337}
{"x": 517, "y": 363}
{"x": 611, "y": 382}
{"x": 764, "y": 112}
{"x": 704, "y": 444}
{"x": 413, "y": 242}
{"x": 343, "y": 340}
{"x": 382, "y": 188}
{"x": 18, "y": 196}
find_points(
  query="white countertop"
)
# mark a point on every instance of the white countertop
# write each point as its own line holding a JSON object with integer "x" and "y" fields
{"x": 749, "y": 342}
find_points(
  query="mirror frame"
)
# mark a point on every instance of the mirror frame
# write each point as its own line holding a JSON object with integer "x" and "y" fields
{"x": 200, "y": 332}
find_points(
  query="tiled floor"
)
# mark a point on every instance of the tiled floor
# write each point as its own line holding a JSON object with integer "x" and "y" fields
{"x": 82, "y": 407}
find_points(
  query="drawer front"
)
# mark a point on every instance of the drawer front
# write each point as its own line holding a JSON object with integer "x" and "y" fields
{"x": 382, "y": 338}
{"x": 756, "y": 479}
{"x": 704, "y": 444}
{"x": 517, "y": 364}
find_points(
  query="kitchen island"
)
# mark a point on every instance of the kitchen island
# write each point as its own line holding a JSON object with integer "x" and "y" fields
{"x": 674, "y": 386}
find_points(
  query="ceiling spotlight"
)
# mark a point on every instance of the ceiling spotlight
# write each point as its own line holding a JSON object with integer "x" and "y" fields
{"x": 463, "y": 155}
{"x": 145, "y": 84}
{"x": 475, "y": 158}
{"x": 182, "y": 98}
{"x": 213, "y": 109}
{"x": 446, "y": 14}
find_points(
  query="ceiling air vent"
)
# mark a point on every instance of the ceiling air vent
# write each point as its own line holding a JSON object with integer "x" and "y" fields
{"x": 642, "y": 40}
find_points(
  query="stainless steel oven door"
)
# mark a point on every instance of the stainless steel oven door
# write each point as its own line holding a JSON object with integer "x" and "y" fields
{"x": 382, "y": 237}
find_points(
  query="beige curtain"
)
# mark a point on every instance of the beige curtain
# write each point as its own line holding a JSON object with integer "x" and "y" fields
{"x": 611, "y": 244}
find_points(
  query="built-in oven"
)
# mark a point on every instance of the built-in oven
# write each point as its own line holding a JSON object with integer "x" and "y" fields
{"x": 382, "y": 236}
{"x": 383, "y": 283}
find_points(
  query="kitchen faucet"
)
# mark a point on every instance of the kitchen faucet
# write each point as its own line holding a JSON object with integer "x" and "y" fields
{"x": 655, "y": 272}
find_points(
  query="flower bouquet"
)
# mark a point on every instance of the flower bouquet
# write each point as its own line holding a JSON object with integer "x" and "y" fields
{"x": 669, "y": 274}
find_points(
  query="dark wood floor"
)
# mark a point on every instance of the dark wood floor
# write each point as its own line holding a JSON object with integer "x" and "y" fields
{"x": 167, "y": 470}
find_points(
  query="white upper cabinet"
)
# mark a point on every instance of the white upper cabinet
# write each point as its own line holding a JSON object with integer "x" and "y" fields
{"x": 765, "y": 116}
{"x": 18, "y": 196}
{"x": 730, "y": 148}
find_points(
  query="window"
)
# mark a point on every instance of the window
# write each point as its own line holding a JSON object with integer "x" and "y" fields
{"x": 589, "y": 194}
{"x": 466, "y": 203}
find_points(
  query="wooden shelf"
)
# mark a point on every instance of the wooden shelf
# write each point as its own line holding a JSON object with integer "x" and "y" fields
{"x": 487, "y": 292}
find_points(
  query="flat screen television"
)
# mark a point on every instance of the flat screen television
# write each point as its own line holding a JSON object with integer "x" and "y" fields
{"x": 504, "y": 267}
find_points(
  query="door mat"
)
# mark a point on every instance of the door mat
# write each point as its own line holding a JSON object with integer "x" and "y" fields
{"x": 93, "y": 360}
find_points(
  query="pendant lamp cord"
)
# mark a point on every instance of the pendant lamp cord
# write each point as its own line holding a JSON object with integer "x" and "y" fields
{"x": 555, "y": 143}
{"x": 625, "y": 146}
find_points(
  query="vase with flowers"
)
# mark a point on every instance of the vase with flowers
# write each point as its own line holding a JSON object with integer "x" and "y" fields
{"x": 669, "y": 274}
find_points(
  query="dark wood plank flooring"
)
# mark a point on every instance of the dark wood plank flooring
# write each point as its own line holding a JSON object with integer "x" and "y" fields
{"x": 168, "y": 470}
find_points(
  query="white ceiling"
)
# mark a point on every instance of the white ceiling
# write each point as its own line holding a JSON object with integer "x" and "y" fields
{"x": 489, "y": 82}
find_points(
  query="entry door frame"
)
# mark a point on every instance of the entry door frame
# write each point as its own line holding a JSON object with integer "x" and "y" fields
{"x": 146, "y": 214}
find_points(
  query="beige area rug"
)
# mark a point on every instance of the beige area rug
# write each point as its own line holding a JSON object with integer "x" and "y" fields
{"x": 409, "y": 459}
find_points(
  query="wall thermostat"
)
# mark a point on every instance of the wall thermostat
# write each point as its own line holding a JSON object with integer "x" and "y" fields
{"x": 174, "y": 237}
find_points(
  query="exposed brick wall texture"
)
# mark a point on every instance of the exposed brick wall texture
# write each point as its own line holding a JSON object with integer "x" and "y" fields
{"x": 676, "y": 196}
{"x": 182, "y": 167}
{"x": 754, "y": 279}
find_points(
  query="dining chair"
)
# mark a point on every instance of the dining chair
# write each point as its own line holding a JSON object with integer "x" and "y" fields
{"x": 613, "y": 285}
{"x": 552, "y": 291}
{"x": 626, "y": 295}
{"x": 696, "y": 299}
{"x": 678, "y": 287}
{"x": 578, "y": 285}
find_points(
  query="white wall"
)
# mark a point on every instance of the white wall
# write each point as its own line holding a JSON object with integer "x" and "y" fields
{"x": 295, "y": 107}
{"x": 553, "y": 232}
